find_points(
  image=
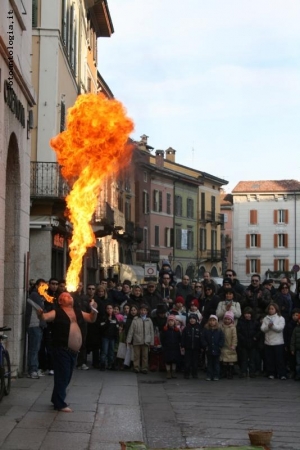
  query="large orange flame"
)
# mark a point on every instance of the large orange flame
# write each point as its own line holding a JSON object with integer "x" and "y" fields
{"x": 42, "y": 290}
{"x": 93, "y": 146}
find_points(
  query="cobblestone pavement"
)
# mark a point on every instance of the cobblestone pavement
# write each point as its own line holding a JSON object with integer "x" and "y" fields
{"x": 110, "y": 407}
{"x": 196, "y": 413}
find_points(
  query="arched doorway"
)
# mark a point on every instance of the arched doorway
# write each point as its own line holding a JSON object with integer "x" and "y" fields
{"x": 214, "y": 272}
{"x": 14, "y": 254}
{"x": 190, "y": 271}
{"x": 178, "y": 272}
{"x": 201, "y": 271}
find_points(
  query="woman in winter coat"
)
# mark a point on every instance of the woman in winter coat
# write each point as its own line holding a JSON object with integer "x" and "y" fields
{"x": 229, "y": 304}
{"x": 283, "y": 299}
{"x": 170, "y": 341}
{"x": 209, "y": 303}
{"x": 273, "y": 326}
{"x": 141, "y": 336}
{"x": 228, "y": 352}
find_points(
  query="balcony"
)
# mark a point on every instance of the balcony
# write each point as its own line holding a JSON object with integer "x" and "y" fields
{"x": 46, "y": 180}
{"x": 104, "y": 214}
{"x": 210, "y": 255}
{"x": 212, "y": 217}
{"x": 103, "y": 220}
{"x": 148, "y": 256}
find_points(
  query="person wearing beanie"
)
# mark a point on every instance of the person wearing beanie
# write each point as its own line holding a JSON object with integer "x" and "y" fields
{"x": 191, "y": 343}
{"x": 178, "y": 308}
{"x": 170, "y": 340}
{"x": 194, "y": 309}
{"x": 212, "y": 341}
{"x": 228, "y": 352}
{"x": 247, "y": 331}
{"x": 229, "y": 304}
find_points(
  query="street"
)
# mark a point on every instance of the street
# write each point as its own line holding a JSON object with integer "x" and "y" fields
{"x": 121, "y": 406}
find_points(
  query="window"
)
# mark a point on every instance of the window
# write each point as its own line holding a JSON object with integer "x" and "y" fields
{"x": 253, "y": 240}
{"x": 128, "y": 210}
{"x": 169, "y": 237}
{"x": 120, "y": 203}
{"x": 190, "y": 208}
{"x": 178, "y": 205}
{"x": 253, "y": 216}
{"x": 157, "y": 201}
{"x": 64, "y": 22}
{"x": 178, "y": 237}
{"x": 169, "y": 204}
{"x": 225, "y": 217}
{"x": 202, "y": 206}
{"x": 202, "y": 239}
{"x": 253, "y": 266}
{"x": 281, "y": 240}
{"x": 214, "y": 240}
{"x": 213, "y": 208}
{"x": 281, "y": 264}
{"x": 145, "y": 240}
{"x": 34, "y": 13}
{"x": 156, "y": 236}
{"x": 62, "y": 116}
{"x": 145, "y": 176}
{"x": 190, "y": 239}
{"x": 89, "y": 84}
{"x": 281, "y": 216}
{"x": 145, "y": 202}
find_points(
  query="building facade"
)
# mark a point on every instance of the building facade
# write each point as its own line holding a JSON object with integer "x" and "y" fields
{"x": 266, "y": 238}
{"x": 64, "y": 41}
{"x": 16, "y": 101}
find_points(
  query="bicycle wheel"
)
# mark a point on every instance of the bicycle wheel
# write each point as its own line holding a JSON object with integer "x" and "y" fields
{"x": 2, "y": 382}
{"x": 7, "y": 372}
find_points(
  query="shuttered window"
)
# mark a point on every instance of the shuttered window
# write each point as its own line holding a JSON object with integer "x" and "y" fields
{"x": 190, "y": 208}
{"x": 253, "y": 240}
{"x": 253, "y": 266}
{"x": 168, "y": 203}
{"x": 253, "y": 216}
{"x": 178, "y": 205}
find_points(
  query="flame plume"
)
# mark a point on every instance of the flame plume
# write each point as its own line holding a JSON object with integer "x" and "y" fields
{"x": 93, "y": 146}
{"x": 42, "y": 290}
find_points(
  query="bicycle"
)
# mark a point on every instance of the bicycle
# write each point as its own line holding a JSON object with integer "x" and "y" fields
{"x": 5, "y": 368}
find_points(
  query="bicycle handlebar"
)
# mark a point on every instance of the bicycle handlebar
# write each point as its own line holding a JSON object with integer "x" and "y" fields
{"x": 5, "y": 328}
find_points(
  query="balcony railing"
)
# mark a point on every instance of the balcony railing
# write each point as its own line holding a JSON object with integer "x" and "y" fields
{"x": 104, "y": 214}
{"x": 46, "y": 180}
{"x": 212, "y": 216}
{"x": 148, "y": 256}
{"x": 210, "y": 255}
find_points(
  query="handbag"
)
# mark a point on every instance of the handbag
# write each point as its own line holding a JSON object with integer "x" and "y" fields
{"x": 122, "y": 349}
{"x": 128, "y": 356}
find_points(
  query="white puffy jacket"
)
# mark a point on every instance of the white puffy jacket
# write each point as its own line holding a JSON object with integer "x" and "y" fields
{"x": 274, "y": 335}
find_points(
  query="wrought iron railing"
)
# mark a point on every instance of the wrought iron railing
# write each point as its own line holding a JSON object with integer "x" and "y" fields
{"x": 148, "y": 256}
{"x": 104, "y": 214}
{"x": 46, "y": 180}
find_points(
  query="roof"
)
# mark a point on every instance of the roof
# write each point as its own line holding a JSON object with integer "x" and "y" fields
{"x": 267, "y": 186}
{"x": 226, "y": 199}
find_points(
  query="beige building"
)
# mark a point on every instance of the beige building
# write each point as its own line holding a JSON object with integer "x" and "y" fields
{"x": 64, "y": 65}
{"x": 16, "y": 101}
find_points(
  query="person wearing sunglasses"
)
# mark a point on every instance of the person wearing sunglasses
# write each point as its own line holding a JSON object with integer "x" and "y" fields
{"x": 209, "y": 304}
{"x": 254, "y": 296}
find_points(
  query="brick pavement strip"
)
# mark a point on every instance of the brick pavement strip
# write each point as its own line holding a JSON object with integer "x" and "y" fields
{"x": 110, "y": 407}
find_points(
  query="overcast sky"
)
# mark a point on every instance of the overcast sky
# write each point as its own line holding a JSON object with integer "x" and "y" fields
{"x": 219, "y": 81}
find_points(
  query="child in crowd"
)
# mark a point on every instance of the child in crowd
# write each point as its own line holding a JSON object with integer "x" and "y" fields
{"x": 170, "y": 340}
{"x": 287, "y": 335}
{"x": 295, "y": 348}
{"x": 117, "y": 313}
{"x": 191, "y": 343}
{"x": 228, "y": 352}
{"x": 194, "y": 309}
{"x": 126, "y": 310}
{"x": 247, "y": 331}
{"x": 273, "y": 326}
{"x": 229, "y": 304}
{"x": 109, "y": 329}
{"x": 213, "y": 341}
{"x": 178, "y": 308}
{"x": 141, "y": 336}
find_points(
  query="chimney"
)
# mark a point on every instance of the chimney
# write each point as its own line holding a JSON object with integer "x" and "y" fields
{"x": 159, "y": 158}
{"x": 170, "y": 154}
